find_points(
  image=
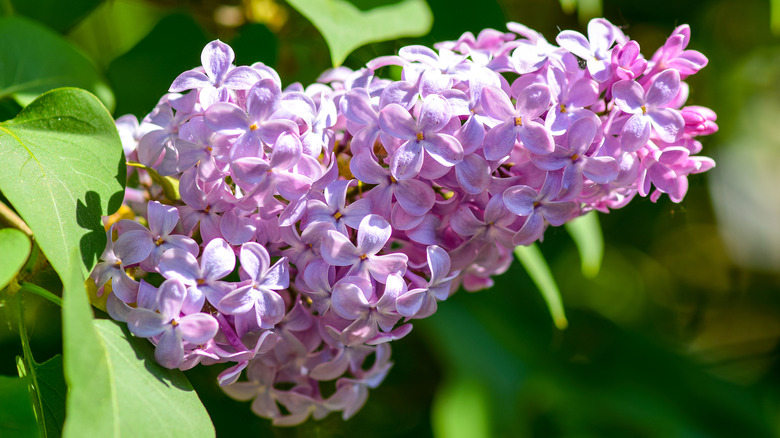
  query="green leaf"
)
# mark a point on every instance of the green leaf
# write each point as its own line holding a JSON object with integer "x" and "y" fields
{"x": 170, "y": 185}
{"x": 14, "y": 249}
{"x": 56, "y": 14}
{"x": 114, "y": 28}
{"x": 148, "y": 69}
{"x": 52, "y": 388}
{"x": 774, "y": 14}
{"x": 534, "y": 263}
{"x": 586, "y": 233}
{"x": 115, "y": 386}
{"x": 36, "y": 60}
{"x": 64, "y": 169}
{"x": 461, "y": 409}
{"x": 346, "y": 27}
{"x": 17, "y": 419}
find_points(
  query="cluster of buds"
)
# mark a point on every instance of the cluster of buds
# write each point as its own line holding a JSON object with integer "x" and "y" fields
{"x": 315, "y": 222}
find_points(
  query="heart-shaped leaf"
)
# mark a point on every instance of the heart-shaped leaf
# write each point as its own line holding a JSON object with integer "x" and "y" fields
{"x": 17, "y": 418}
{"x": 115, "y": 387}
{"x": 14, "y": 247}
{"x": 346, "y": 27}
{"x": 35, "y": 60}
{"x": 64, "y": 168}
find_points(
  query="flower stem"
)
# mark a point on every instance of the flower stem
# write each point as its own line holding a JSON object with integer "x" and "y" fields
{"x": 41, "y": 292}
{"x": 8, "y": 216}
{"x": 29, "y": 368}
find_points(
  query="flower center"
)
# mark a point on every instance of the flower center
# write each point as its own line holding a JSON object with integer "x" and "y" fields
{"x": 253, "y": 127}
{"x": 364, "y": 256}
{"x": 420, "y": 136}
{"x": 518, "y": 121}
{"x": 337, "y": 215}
{"x": 644, "y": 110}
{"x": 563, "y": 109}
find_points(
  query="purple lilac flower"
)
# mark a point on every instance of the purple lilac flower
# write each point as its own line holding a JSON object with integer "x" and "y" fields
{"x": 648, "y": 109}
{"x": 171, "y": 328}
{"x": 360, "y": 201}
{"x": 421, "y": 135}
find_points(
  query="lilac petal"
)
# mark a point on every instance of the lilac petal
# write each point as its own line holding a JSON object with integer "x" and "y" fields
{"x": 416, "y": 197}
{"x": 250, "y": 170}
{"x": 411, "y": 302}
{"x": 520, "y": 200}
{"x": 435, "y": 113}
{"x": 171, "y": 296}
{"x": 402, "y": 220}
{"x": 241, "y": 78}
{"x": 254, "y": 260}
{"x": 189, "y": 80}
{"x": 358, "y": 107}
{"x": 124, "y": 287}
{"x": 402, "y": 93}
{"x": 151, "y": 146}
{"x": 271, "y": 130}
{"x": 170, "y": 351}
{"x": 443, "y": 148}
{"x": 373, "y": 234}
{"x": 366, "y": 169}
{"x": 396, "y": 121}
{"x": 350, "y": 297}
{"x": 635, "y": 133}
{"x": 601, "y": 170}
{"x": 278, "y": 276}
{"x": 583, "y": 92}
{"x": 147, "y": 296}
{"x": 226, "y": 118}
{"x": 218, "y": 259}
{"x": 407, "y": 160}
{"x": 439, "y": 263}
{"x": 332, "y": 369}
{"x": 664, "y": 88}
{"x": 197, "y": 328}
{"x": 464, "y": 222}
{"x": 601, "y": 34}
{"x": 359, "y": 331}
{"x": 162, "y": 218}
{"x": 145, "y": 323}
{"x": 496, "y": 104}
{"x": 536, "y": 138}
{"x": 262, "y": 99}
{"x": 499, "y": 141}
{"x": 380, "y": 267}
{"x": 628, "y": 96}
{"x": 558, "y": 159}
{"x": 337, "y": 250}
{"x": 286, "y": 152}
{"x": 531, "y": 231}
{"x": 236, "y": 230}
{"x": 238, "y": 301}
{"x": 581, "y": 135}
{"x": 473, "y": 174}
{"x": 557, "y": 213}
{"x": 668, "y": 123}
{"x": 533, "y": 101}
{"x": 133, "y": 246}
{"x": 575, "y": 43}
{"x": 270, "y": 308}
{"x": 216, "y": 58}
{"x": 418, "y": 53}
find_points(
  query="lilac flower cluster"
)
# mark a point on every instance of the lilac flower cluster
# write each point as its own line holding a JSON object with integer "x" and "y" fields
{"x": 314, "y": 223}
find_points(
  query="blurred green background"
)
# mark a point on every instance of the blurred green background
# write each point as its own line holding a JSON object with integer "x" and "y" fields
{"x": 676, "y": 337}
